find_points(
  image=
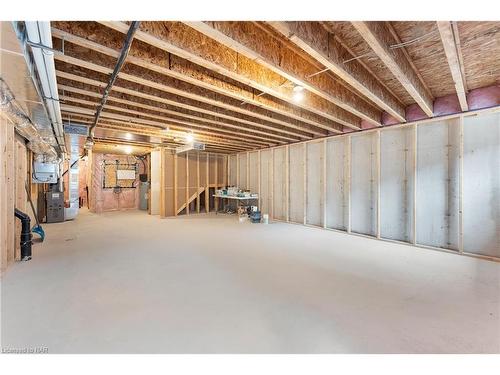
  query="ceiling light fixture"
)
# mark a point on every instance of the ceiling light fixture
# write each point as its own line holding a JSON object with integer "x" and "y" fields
{"x": 298, "y": 93}
{"x": 127, "y": 149}
{"x": 189, "y": 137}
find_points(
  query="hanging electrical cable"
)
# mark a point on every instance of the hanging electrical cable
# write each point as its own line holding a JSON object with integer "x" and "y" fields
{"x": 119, "y": 64}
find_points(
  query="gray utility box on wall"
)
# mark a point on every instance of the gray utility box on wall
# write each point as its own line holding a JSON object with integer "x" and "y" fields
{"x": 55, "y": 206}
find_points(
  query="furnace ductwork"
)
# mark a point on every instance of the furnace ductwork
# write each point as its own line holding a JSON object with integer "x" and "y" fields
{"x": 24, "y": 125}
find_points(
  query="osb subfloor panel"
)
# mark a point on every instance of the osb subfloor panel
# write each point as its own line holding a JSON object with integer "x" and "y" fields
{"x": 127, "y": 282}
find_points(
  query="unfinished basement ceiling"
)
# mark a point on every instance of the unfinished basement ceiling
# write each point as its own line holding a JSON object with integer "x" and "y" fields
{"x": 233, "y": 83}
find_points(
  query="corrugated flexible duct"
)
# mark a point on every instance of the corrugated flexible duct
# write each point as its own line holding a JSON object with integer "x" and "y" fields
{"x": 24, "y": 126}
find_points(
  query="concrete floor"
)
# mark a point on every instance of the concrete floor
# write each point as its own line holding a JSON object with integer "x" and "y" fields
{"x": 126, "y": 282}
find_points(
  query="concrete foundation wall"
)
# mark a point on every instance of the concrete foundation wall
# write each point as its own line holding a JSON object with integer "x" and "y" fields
{"x": 481, "y": 185}
{"x": 412, "y": 174}
{"x": 266, "y": 179}
{"x": 279, "y": 183}
{"x": 438, "y": 184}
{"x": 397, "y": 183}
{"x": 314, "y": 183}
{"x": 364, "y": 183}
{"x": 296, "y": 183}
{"x": 337, "y": 183}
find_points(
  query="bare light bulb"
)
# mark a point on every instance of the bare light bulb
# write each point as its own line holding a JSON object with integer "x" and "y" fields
{"x": 127, "y": 149}
{"x": 189, "y": 138}
{"x": 298, "y": 93}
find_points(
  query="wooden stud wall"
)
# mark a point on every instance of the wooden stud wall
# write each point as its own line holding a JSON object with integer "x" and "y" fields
{"x": 13, "y": 176}
{"x": 322, "y": 161}
{"x": 189, "y": 178}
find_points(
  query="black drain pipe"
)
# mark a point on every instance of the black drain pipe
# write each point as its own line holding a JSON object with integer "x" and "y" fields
{"x": 25, "y": 234}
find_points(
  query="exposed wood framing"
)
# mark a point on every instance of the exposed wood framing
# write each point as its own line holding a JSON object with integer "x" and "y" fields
{"x": 287, "y": 182}
{"x": 449, "y": 38}
{"x": 349, "y": 146}
{"x": 254, "y": 43}
{"x": 415, "y": 164}
{"x": 322, "y": 45}
{"x": 171, "y": 86}
{"x": 186, "y": 43}
{"x": 378, "y": 152}
{"x": 197, "y": 183}
{"x": 379, "y": 38}
{"x": 461, "y": 188}
{"x": 323, "y": 185}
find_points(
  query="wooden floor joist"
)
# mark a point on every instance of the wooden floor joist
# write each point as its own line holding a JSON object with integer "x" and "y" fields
{"x": 160, "y": 98}
{"x": 185, "y": 90}
{"x": 448, "y": 38}
{"x": 186, "y": 71}
{"x": 251, "y": 133}
{"x": 314, "y": 39}
{"x": 251, "y": 41}
{"x": 379, "y": 38}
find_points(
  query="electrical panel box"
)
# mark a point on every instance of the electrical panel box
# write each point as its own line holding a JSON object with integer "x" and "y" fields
{"x": 45, "y": 173}
{"x": 55, "y": 206}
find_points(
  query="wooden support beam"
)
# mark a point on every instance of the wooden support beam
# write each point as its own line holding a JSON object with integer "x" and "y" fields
{"x": 323, "y": 182}
{"x": 175, "y": 184}
{"x": 379, "y": 38}
{"x": 287, "y": 179}
{"x": 163, "y": 184}
{"x": 415, "y": 165}
{"x": 198, "y": 182}
{"x": 182, "y": 69}
{"x": 207, "y": 182}
{"x": 304, "y": 162}
{"x": 264, "y": 53}
{"x": 323, "y": 46}
{"x": 448, "y": 38}
{"x": 378, "y": 157}
{"x": 187, "y": 183}
{"x": 348, "y": 141}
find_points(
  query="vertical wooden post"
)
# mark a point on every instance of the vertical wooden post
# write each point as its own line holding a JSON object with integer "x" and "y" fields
{"x": 175, "y": 184}
{"x": 238, "y": 170}
{"x": 216, "y": 200}
{"x": 304, "y": 162}
{"x": 258, "y": 178}
{"x": 248, "y": 171}
{"x": 287, "y": 182}
{"x": 461, "y": 188}
{"x": 415, "y": 165}
{"x": 348, "y": 152}
{"x": 207, "y": 183}
{"x": 163, "y": 184}
{"x": 271, "y": 180}
{"x": 198, "y": 182}
{"x": 187, "y": 183}
{"x": 378, "y": 156}
{"x": 323, "y": 190}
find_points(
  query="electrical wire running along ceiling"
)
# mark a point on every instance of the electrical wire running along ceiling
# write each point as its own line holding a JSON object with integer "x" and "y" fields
{"x": 15, "y": 74}
{"x": 239, "y": 86}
